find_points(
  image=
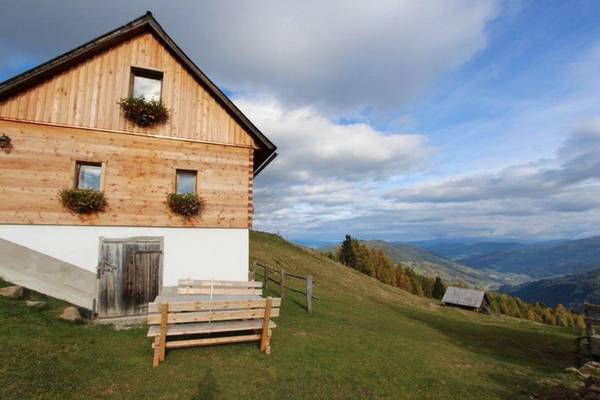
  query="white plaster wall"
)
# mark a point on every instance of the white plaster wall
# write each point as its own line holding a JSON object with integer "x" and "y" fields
{"x": 199, "y": 253}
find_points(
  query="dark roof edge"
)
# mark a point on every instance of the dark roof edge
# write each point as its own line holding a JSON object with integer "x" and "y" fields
{"x": 13, "y": 85}
{"x": 262, "y": 166}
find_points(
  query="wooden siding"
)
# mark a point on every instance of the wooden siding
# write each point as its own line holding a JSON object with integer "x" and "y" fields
{"x": 138, "y": 174}
{"x": 87, "y": 95}
{"x": 250, "y": 189}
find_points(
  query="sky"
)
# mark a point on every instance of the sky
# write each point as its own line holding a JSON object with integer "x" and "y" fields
{"x": 396, "y": 120}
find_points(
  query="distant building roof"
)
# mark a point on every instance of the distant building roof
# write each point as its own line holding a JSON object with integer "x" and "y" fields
{"x": 463, "y": 297}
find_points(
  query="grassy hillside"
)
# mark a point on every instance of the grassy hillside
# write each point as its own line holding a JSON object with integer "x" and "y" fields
{"x": 545, "y": 259}
{"x": 570, "y": 290}
{"x": 365, "y": 340}
{"x": 425, "y": 262}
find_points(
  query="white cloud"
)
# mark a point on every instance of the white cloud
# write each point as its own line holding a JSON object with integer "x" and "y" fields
{"x": 325, "y": 171}
{"x": 576, "y": 166}
{"x": 340, "y": 54}
{"x": 314, "y": 149}
{"x": 556, "y": 197}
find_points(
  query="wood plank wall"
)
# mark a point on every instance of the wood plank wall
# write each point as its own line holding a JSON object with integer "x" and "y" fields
{"x": 139, "y": 172}
{"x": 87, "y": 95}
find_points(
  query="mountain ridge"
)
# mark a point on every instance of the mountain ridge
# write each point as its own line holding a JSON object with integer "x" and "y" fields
{"x": 570, "y": 290}
{"x": 543, "y": 260}
{"x": 425, "y": 262}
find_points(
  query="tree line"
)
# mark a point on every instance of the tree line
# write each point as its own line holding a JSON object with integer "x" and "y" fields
{"x": 374, "y": 263}
{"x": 515, "y": 307}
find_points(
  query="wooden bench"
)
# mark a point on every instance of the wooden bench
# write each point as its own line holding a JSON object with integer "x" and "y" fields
{"x": 219, "y": 288}
{"x": 588, "y": 345}
{"x": 248, "y": 320}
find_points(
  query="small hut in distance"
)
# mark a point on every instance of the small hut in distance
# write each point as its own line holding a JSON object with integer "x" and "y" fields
{"x": 469, "y": 299}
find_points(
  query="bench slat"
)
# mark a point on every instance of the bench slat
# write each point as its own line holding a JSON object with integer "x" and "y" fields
{"x": 217, "y": 291}
{"x": 203, "y": 283}
{"x": 206, "y": 316}
{"x": 210, "y": 341}
{"x": 214, "y": 305}
{"x": 213, "y": 327}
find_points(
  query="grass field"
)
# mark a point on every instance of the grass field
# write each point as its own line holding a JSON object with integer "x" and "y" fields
{"x": 365, "y": 340}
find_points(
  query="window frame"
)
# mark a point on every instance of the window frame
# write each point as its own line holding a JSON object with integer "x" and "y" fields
{"x": 145, "y": 73}
{"x": 186, "y": 170}
{"x": 77, "y": 168}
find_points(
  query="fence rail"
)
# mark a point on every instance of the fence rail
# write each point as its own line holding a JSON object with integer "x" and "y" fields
{"x": 268, "y": 276}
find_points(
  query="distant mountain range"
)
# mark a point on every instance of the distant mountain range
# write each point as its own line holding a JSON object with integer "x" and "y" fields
{"x": 457, "y": 251}
{"x": 542, "y": 260}
{"x": 571, "y": 290}
{"x": 314, "y": 244}
{"x": 423, "y": 261}
{"x": 558, "y": 271}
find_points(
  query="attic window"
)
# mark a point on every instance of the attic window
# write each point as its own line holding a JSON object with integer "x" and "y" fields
{"x": 89, "y": 175}
{"x": 186, "y": 181}
{"x": 146, "y": 83}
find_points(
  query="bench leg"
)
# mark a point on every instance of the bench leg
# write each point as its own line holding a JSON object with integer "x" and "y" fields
{"x": 264, "y": 339}
{"x": 268, "y": 346}
{"x": 156, "y": 356}
{"x": 163, "y": 348}
{"x": 164, "y": 309}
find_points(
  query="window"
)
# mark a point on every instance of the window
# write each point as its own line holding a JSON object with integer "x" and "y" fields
{"x": 89, "y": 175}
{"x": 186, "y": 181}
{"x": 146, "y": 84}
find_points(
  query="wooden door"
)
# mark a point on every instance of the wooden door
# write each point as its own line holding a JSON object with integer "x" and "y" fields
{"x": 129, "y": 275}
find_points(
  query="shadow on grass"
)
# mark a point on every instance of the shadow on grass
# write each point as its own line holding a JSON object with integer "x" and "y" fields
{"x": 527, "y": 346}
{"x": 207, "y": 388}
{"x": 538, "y": 352}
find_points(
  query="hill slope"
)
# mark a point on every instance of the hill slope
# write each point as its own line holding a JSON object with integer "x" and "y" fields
{"x": 364, "y": 340}
{"x": 430, "y": 264}
{"x": 570, "y": 290}
{"x": 543, "y": 260}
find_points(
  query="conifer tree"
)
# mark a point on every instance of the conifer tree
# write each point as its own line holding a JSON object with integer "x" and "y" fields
{"x": 438, "y": 288}
{"x": 346, "y": 253}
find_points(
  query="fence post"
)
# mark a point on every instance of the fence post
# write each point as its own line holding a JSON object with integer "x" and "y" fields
{"x": 281, "y": 287}
{"x": 266, "y": 276}
{"x": 309, "y": 292}
{"x": 252, "y": 272}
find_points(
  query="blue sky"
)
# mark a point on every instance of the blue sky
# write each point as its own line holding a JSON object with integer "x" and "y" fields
{"x": 476, "y": 114}
{"x": 400, "y": 120}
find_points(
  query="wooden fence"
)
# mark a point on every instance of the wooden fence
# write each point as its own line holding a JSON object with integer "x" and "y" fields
{"x": 269, "y": 273}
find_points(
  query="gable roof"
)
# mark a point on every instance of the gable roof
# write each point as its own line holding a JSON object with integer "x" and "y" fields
{"x": 463, "y": 297}
{"x": 146, "y": 23}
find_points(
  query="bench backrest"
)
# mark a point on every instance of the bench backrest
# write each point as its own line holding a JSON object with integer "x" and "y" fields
{"x": 215, "y": 310}
{"x": 233, "y": 288}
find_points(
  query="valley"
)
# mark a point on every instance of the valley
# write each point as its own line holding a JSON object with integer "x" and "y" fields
{"x": 553, "y": 272}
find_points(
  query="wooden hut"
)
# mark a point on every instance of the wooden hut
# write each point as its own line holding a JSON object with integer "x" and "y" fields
{"x": 470, "y": 299}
